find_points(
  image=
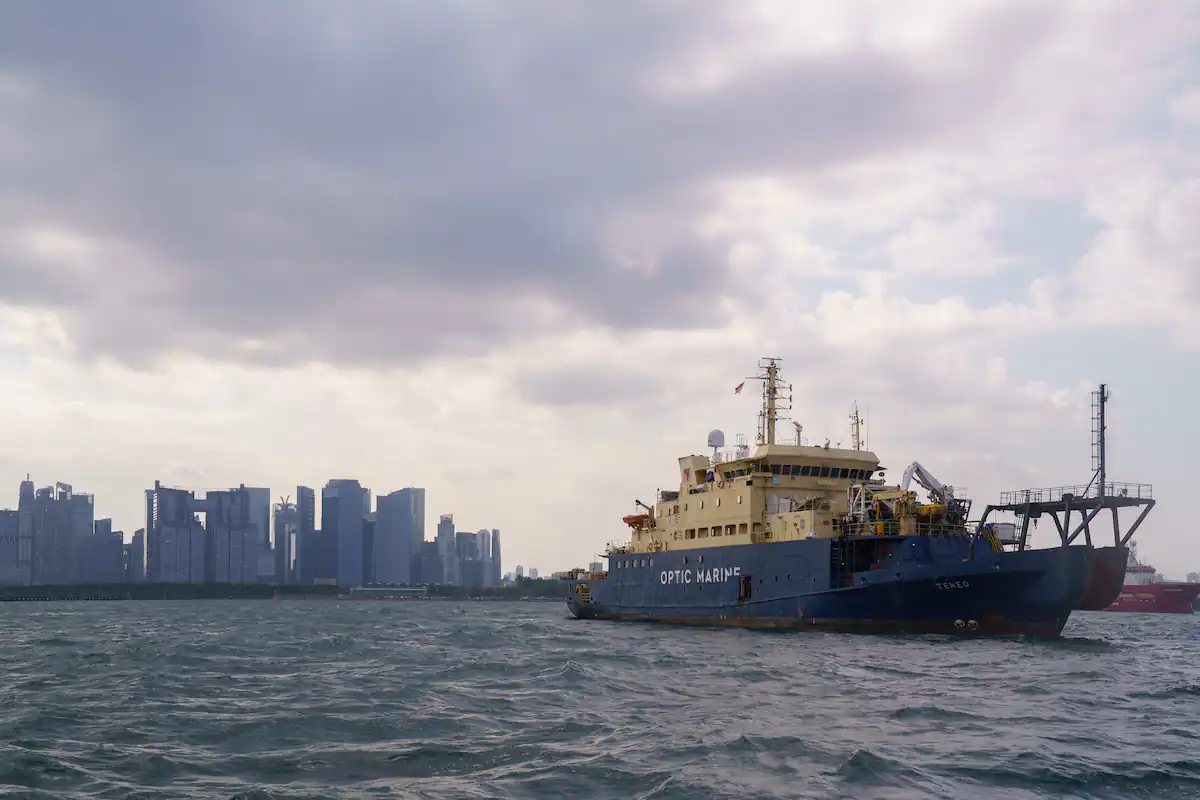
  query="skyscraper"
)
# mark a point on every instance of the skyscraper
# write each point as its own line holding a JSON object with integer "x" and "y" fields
{"x": 25, "y": 531}
{"x": 175, "y": 538}
{"x": 260, "y": 514}
{"x": 342, "y": 518}
{"x": 307, "y": 545}
{"x": 484, "y": 538}
{"x": 137, "y": 557}
{"x": 497, "y": 571}
{"x": 447, "y": 552}
{"x": 287, "y": 528}
{"x": 418, "y": 507}
{"x": 399, "y": 533}
{"x": 10, "y": 572}
{"x": 234, "y": 536}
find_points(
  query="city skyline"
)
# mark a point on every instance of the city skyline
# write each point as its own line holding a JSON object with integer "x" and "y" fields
{"x": 227, "y": 536}
{"x": 526, "y": 269}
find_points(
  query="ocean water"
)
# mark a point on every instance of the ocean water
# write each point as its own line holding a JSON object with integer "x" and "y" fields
{"x": 323, "y": 699}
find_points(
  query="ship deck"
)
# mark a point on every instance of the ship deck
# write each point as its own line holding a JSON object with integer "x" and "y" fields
{"x": 1088, "y": 500}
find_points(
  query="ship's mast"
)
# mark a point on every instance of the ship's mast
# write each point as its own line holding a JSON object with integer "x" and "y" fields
{"x": 856, "y": 428}
{"x": 772, "y": 370}
{"x": 773, "y": 400}
{"x": 1099, "y": 443}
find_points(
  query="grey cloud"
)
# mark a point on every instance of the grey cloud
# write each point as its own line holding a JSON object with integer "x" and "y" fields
{"x": 375, "y": 183}
{"x": 587, "y": 385}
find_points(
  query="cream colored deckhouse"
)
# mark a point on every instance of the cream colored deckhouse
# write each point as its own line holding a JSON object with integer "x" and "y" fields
{"x": 781, "y": 492}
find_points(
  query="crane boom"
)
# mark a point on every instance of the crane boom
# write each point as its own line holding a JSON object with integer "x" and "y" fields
{"x": 938, "y": 492}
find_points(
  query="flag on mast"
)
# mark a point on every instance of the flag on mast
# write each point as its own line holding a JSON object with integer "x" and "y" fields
{"x": 738, "y": 388}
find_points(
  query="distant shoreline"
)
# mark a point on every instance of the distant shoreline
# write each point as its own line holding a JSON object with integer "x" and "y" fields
{"x": 540, "y": 590}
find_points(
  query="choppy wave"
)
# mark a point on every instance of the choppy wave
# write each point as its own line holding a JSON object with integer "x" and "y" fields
{"x": 295, "y": 699}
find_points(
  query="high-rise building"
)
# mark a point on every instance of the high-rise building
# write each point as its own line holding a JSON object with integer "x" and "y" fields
{"x": 447, "y": 552}
{"x": 418, "y": 506}
{"x": 368, "y": 550}
{"x": 467, "y": 553}
{"x": 234, "y": 535}
{"x": 54, "y": 533}
{"x": 10, "y": 570}
{"x": 308, "y": 547}
{"x": 175, "y": 538}
{"x": 431, "y": 564}
{"x": 136, "y": 564}
{"x": 399, "y": 534}
{"x": 497, "y": 572}
{"x": 287, "y": 535}
{"x": 25, "y": 531}
{"x": 103, "y": 554}
{"x": 484, "y": 539}
{"x": 342, "y": 518}
{"x": 260, "y": 514}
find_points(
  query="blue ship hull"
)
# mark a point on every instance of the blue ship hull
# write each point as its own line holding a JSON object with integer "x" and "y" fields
{"x": 880, "y": 584}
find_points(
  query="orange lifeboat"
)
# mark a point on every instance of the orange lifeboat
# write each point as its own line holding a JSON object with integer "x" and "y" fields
{"x": 636, "y": 520}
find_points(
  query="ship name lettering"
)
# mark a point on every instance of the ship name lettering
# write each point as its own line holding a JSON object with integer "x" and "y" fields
{"x": 711, "y": 575}
{"x": 953, "y": 584}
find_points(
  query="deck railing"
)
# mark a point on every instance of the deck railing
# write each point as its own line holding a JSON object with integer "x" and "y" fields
{"x": 1056, "y": 494}
{"x": 891, "y": 527}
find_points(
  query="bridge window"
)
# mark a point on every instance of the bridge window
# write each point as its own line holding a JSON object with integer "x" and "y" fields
{"x": 775, "y": 469}
{"x": 804, "y": 471}
{"x": 845, "y": 473}
{"x": 787, "y": 469}
{"x": 824, "y": 472}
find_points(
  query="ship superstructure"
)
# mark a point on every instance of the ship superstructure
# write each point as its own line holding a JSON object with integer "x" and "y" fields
{"x": 801, "y": 535}
{"x": 788, "y": 492}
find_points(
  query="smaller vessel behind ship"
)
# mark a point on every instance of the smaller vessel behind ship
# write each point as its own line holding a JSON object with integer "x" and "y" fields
{"x": 1148, "y": 592}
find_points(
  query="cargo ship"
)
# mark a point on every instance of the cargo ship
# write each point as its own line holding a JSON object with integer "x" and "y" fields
{"x": 798, "y": 536}
{"x": 1146, "y": 591}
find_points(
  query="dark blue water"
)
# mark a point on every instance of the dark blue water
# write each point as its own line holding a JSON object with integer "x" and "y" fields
{"x": 295, "y": 699}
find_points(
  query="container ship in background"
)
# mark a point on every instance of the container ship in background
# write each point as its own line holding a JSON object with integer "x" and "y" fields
{"x": 814, "y": 537}
{"x": 1148, "y": 592}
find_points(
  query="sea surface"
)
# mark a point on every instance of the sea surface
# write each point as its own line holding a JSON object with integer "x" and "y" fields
{"x": 325, "y": 699}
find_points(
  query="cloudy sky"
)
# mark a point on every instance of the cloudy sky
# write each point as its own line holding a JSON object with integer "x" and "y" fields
{"x": 520, "y": 253}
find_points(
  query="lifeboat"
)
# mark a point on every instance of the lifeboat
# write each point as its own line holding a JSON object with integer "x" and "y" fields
{"x": 636, "y": 520}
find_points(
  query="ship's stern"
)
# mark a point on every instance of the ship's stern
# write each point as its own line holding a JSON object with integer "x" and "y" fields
{"x": 579, "y": 599}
